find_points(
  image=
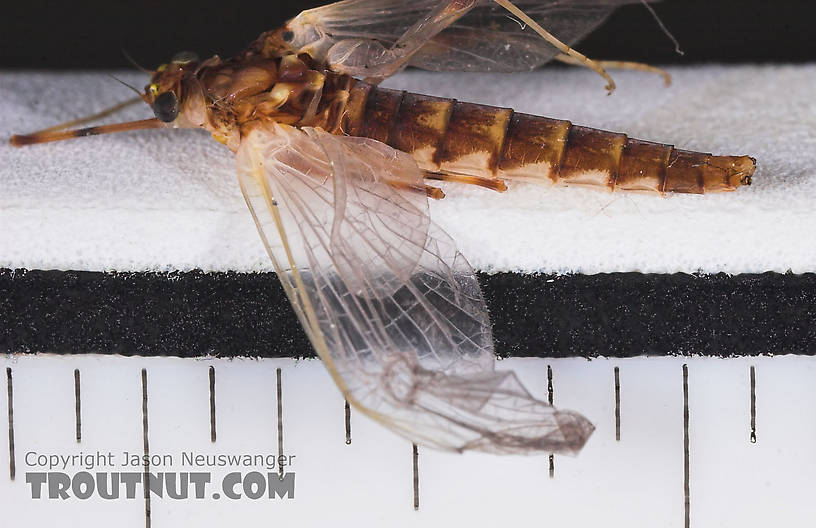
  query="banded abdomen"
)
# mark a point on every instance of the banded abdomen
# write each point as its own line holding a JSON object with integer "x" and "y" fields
{"x": 450, "y": 137}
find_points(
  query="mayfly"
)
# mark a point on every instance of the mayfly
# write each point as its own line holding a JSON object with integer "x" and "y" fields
{"x": 334, "y": 172}
{"x": 374, "y": 40}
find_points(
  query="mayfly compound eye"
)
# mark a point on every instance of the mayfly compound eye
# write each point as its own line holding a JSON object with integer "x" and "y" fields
{"x": 166, "y": 107}
{"x": 184, "y": 57}
{"x": 288, "y": 36}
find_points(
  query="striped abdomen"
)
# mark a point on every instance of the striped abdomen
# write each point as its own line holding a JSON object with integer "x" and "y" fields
{"x": 449, "y": 137}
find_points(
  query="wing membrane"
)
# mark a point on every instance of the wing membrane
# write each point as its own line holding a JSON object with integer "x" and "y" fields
{"x": 376, "y": 38}
{"x": 391, "y": 307}
{"x": 488, "y": 39}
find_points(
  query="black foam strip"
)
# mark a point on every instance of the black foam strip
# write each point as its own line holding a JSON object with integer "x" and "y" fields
{"x": 232, "y": 314}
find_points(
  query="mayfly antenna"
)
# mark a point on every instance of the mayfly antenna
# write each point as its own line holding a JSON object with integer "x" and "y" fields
{"x": 663, "y": 27}
{"x": 120, "y": 81}
{"x": 134, "y": 63}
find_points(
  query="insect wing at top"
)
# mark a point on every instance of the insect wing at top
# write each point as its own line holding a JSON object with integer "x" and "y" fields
{"x": 376, "y": 38}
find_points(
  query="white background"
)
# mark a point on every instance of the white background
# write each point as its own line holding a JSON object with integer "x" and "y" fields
{"x": 166, "y": 200}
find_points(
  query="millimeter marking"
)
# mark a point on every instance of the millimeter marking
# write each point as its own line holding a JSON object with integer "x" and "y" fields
{"x": 212, "y": 404}
{"x": 753, "y": 404}
{"x": 550, "y": 401}
{"x": 77, "y": 406}
{"x": 686, "y": 485}
{"x": 10, "y": 389}
{"x": 348, "y": 422}
{"x": 146, "y": 448}
{"x": 280, "y": 422}
{"x": 416, "y": 475}
{"x": 617, "y": 404}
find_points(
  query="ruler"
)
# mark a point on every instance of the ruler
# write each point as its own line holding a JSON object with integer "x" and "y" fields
{"x": 679, "y": 442}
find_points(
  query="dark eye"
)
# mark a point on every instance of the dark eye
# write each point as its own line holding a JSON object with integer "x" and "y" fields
{"x": 166, "y": 107}
{"x": 288, "y": 36}
{"x": 184, "y": 57}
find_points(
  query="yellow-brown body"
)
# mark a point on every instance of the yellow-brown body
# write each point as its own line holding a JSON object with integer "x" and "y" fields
{"x": 465, "y": 140}
{"x": 451, "y": 137}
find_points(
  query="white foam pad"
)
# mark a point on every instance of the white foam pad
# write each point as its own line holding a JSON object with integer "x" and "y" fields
{"x": 169, "y": 200}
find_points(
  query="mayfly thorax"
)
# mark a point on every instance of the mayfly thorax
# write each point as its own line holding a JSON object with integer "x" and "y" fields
{"x": 334, "y": 170}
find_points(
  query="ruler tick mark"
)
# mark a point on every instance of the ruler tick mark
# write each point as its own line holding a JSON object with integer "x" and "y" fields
{"x": 550, "y": 401}
{"x": 10, "y": 389}
{"x": 617, "y": 405}
{"x": 280, "y": 422}
{"x": 686, "y": 482}
{"x": 212, "y": 404}
{"x": 415, "y": 451}
{"x": 348, "y": 422}
{"x": 549, "y": 385}
{"x": 77, "y": 406}
{"x": 753, "y": 404}
{"x": 146, "y": 448}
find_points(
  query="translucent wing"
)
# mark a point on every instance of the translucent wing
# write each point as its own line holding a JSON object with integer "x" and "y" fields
{"x": 391, "y": 307}
{"x": 376, "y": 38}
{"x": 487, "y": 39}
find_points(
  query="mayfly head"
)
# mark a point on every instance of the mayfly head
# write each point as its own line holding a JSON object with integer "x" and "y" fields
{"x": 291, "y": 37}
{"x": 281, "y": 41}
{"x": 297, "y": 36}
{"x": 166, "y": 107}
{"x": 174, "y": 92}
{"x": 167, "y": 85}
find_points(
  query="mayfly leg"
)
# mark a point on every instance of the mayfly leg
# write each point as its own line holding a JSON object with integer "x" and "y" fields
{"x": 59, "y": 135}
{"x": 493, "y": 184}
{"x": 428, "y": 190}
{"x": 619, "y": 65}
{"x": 87, "y": 119}
{"x": 580, "y": 58}
{"x": 434, "y": 192}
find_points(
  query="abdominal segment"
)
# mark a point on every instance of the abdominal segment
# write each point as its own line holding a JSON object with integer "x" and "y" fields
{"x": 448, "y": 137}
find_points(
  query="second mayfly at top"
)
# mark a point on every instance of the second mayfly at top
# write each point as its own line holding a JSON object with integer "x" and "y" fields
{"x": 373, "y": 39}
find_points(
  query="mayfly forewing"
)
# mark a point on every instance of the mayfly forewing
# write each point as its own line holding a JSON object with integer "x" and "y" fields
{"x": 376, "y": 60}
{"x": 376, "y": 38}
{"x": 489, "y": 38}
{"x": 266, "y": 214}
{"x": 315, "y": 31}
{"x": 388, "y": 302}
{"x": 510, "y": 36}
{"x": 367, "y": 38}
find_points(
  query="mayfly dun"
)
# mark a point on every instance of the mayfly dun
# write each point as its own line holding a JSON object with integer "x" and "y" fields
{"x": 334, "y": 170}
